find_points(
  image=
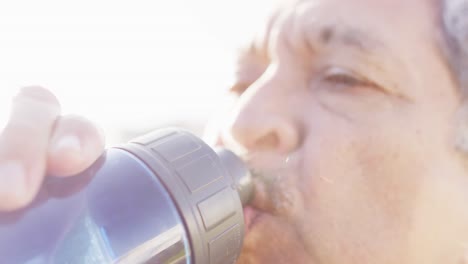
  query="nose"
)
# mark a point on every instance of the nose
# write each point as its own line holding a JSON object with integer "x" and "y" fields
{"x": 263, "y": 120}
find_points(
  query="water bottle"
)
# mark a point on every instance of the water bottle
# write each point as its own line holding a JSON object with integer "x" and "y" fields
{"x": 166, "y": 197}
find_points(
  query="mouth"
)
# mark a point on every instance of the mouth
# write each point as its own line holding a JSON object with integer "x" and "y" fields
{"x": 261, "y": 204}
{"x": 252, "y": 217}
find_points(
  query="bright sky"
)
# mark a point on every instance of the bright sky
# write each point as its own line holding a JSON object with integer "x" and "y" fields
{"x": 125, "y": 64}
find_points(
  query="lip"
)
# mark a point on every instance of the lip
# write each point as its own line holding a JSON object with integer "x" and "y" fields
{"x": 251, "y": 218}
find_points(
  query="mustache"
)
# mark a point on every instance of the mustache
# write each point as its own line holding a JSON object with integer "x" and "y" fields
{"x": 275, "y": 180}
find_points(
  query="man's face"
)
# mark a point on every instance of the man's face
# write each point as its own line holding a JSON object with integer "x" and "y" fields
{"x": 348, "y": 111}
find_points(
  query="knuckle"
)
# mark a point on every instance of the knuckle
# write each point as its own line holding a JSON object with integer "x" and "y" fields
{"x": 80, "y": 126}
{"x": 15, "y": 200}
{"x": 76, "y": 122}
{"x": 38, "y": 93}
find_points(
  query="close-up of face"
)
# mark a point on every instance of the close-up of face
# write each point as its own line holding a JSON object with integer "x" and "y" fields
{"x": 349, "y": 112}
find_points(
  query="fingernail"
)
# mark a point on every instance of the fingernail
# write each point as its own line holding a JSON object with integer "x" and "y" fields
{"x": 12, "y": 178}
{"x": 67, "y": 143}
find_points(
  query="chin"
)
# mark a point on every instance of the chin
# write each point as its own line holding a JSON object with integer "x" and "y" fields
{"x": 270, "y": 239}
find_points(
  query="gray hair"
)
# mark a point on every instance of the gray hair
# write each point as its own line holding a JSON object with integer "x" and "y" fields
{"x": 455, "y": 46}
{"x": 455, "y": 30}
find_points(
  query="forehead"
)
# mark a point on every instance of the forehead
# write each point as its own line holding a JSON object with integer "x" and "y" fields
{"x": 387, "y": 7}
{"x": 399, "y": 38}
{"x": 386, "y": 19}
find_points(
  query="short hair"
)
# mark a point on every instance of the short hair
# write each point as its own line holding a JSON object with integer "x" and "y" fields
{"x": 455, "y": 31}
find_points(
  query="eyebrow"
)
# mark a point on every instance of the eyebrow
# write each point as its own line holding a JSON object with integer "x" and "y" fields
{"x": 364, "y": 42}
{"x": 328, "y": 35}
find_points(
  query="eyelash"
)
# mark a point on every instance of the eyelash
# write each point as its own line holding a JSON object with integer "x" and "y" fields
{"x": 343, "y": 77}
{"x": 332, "y": 76}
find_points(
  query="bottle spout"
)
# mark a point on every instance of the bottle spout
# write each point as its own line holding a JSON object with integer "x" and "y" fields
{"x": 240, "y": 174}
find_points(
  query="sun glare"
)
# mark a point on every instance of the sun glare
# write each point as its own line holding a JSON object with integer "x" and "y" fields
{"x": 128, "y": 65}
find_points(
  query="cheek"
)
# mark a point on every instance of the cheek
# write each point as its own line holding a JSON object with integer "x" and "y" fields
{"x": 360, "y": 186}
{"x": 274, "y": 240}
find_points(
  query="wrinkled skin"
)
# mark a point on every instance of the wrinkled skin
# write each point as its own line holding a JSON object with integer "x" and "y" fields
{"x": 357, "y": 96}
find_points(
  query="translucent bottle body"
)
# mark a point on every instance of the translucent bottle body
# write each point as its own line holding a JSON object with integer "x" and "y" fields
{"x": 117, "y": 211}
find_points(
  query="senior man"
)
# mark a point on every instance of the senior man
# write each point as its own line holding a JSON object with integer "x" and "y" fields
{"x": 353, "y": 110}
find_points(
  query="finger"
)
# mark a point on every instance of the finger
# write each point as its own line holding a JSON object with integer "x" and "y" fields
{"x": 75, "y": 144}
{"x": 23, "y": 146}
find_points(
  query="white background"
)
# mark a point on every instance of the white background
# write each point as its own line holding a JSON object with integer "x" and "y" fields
{"x": 127, "y": 65}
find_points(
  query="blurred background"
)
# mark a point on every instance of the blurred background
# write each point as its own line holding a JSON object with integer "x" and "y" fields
{"x": 130, "y": 66}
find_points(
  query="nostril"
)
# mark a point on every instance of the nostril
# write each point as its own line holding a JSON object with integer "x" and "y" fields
{"x": 263, "y": 134}
{"x": 269, "y": 141}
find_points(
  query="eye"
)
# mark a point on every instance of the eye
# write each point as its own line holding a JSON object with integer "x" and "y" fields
{"x": 339, "y": 78}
